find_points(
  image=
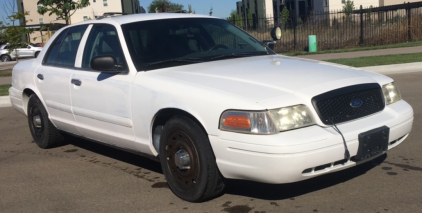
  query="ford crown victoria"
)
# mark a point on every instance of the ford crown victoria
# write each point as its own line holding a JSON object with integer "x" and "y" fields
{"x": 208, "y": 100}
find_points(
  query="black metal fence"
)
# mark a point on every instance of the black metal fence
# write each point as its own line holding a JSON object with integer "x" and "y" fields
{"x": 339, "y": 29}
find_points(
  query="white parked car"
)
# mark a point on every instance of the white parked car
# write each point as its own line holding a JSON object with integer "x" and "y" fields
{"x": 25, "y": 51}
{"x": 207, "y": 100}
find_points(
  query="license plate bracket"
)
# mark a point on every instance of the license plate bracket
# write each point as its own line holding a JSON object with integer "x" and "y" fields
{"x": 372, "y": 142}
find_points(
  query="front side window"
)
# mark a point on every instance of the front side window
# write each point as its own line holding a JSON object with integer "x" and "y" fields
{"x": 103, "y": 41}
{"x": 174, "y": 42}
{"x": 62, "y": 51}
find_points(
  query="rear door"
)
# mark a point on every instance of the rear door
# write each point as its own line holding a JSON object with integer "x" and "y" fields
{"x": 101, "y": 101}
{"x": 52, "y": 78}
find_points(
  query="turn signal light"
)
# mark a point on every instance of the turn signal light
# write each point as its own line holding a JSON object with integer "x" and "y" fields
{"x": 237, "y": 121}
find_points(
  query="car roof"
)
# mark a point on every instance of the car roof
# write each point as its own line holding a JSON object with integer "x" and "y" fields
{"x": 124, "y": 19}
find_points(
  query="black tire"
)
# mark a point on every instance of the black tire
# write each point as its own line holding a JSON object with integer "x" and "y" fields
{"x": 43, "y": 132}
{"x": 36, "y": 54}
{"x": 5, "y": 58}
{"x": 202, "y": 180}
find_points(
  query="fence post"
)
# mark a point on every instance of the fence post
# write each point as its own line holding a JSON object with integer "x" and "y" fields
{"x": 234, "y": 20}
{"x": 294, "y": 41}
{"x": 361, "y": 26}
{"x": 409, "y": 26}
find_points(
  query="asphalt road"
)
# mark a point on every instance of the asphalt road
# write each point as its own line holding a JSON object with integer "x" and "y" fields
{"x": 86, "y": 177}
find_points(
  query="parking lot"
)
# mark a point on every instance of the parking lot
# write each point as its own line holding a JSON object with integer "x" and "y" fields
{"x": 85, "y": 177}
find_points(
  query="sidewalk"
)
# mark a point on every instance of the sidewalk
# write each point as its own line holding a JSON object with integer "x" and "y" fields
{"x": 392, "y": 51}
{"x": 5, "y": 80}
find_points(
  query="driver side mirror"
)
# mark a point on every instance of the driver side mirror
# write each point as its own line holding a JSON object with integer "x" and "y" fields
{"x": 29, "y": 47}
{"x": 106, "y": 64}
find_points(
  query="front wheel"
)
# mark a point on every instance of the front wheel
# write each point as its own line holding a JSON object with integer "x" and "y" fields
{"x": 188, "y": 161}
{"x": 43, "y": 132}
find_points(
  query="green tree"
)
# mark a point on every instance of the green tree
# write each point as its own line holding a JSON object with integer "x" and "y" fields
{"x": 190, "y": 8}
{"x": 163, "y": 6}
{"x": 64, "y": 9}
{"x": 284, "y": 16}
{"x": 235, "y": 19}
{"x": 13, "y": 33}
{"x": 348, "y": 7}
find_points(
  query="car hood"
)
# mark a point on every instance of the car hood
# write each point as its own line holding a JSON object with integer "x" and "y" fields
{"x": 264, "y": 77}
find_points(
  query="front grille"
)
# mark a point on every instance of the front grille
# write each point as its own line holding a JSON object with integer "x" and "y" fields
{"x": 336, "y": 106}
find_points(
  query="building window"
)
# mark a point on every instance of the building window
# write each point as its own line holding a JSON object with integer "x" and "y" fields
{"x": 41, "y": 20}
{"x": 85, "y": 18}
{"x": 39, "y": 6}
{"x": 94, "y": 1}
{"x": 343, "y": 1}
{"x": 57, "y": 18}
{"x": 105, "y": 3}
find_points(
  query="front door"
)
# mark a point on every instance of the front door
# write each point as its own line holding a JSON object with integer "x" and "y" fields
{"x": 101, "y": 101}
{"x": 25, "y": 51}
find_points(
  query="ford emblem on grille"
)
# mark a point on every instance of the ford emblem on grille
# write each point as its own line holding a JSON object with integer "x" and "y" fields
{"x": 356, "y": 103}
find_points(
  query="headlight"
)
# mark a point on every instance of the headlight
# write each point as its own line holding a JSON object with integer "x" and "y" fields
{"x": 293, "y": 117}
{"x": 247, "y": 122}
{"x": 267, "y": 122}
{"x": 391, "y": 93}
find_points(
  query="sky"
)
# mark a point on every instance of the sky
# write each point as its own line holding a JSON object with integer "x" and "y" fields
{"x": 221, "y": 8}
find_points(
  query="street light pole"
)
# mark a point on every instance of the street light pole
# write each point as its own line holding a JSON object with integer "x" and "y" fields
{"x": 278, "y": 12}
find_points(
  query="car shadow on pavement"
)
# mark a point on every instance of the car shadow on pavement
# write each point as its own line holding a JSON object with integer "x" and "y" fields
{"x": 117, "y": 154}
{"x": 239, "y": 187}
{"x": 291, "y": 190}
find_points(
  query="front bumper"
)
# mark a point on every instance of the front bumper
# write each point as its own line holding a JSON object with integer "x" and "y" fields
{"x": 303, "y": 153}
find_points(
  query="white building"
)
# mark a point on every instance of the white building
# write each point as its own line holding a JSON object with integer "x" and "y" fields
{"x": 95, "y": 9}
{"x": 258, "y": 8}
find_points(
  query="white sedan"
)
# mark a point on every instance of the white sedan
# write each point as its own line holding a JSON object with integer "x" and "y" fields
{"x": 25, "y": 51}
{"x": 207, "y": 100}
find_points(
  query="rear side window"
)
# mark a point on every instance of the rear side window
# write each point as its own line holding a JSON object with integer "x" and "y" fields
{"x": 63, "y": 50}
{"x": 103, "y": 41}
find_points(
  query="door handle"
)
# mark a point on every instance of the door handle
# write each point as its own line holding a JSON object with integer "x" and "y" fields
{"x": 76, "y": 82}
{"x": 40, "y": 76}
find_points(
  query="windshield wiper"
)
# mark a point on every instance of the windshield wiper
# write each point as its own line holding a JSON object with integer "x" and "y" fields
{"x": 235, "y": 55}
{"x": 189, "y": 60}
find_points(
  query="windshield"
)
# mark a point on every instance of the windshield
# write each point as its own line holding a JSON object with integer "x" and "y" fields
{"x": 173, "y": 42}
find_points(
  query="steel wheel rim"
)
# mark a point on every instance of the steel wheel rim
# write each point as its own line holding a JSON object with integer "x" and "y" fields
{"x": 36, "y": 122}
{"x": 181, "y": 142}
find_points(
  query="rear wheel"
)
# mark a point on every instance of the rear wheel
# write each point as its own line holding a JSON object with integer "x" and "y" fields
{"x": 188, "y": 161}
{"x": 5, "y": 58}
{"x": 43, "y": 131}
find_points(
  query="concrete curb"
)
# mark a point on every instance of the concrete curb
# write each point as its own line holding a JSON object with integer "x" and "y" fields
{"x": 5, "y": 101}
{"x": 395, "y": 68}
{"x": 9, "y": 62}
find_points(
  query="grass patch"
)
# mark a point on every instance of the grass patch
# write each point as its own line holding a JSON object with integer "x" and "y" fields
{"x": 6, "y": 74}
{"x": 379, "y": 60}
{"x": 409, "y": 44}
{"x": 4, "y": 89}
